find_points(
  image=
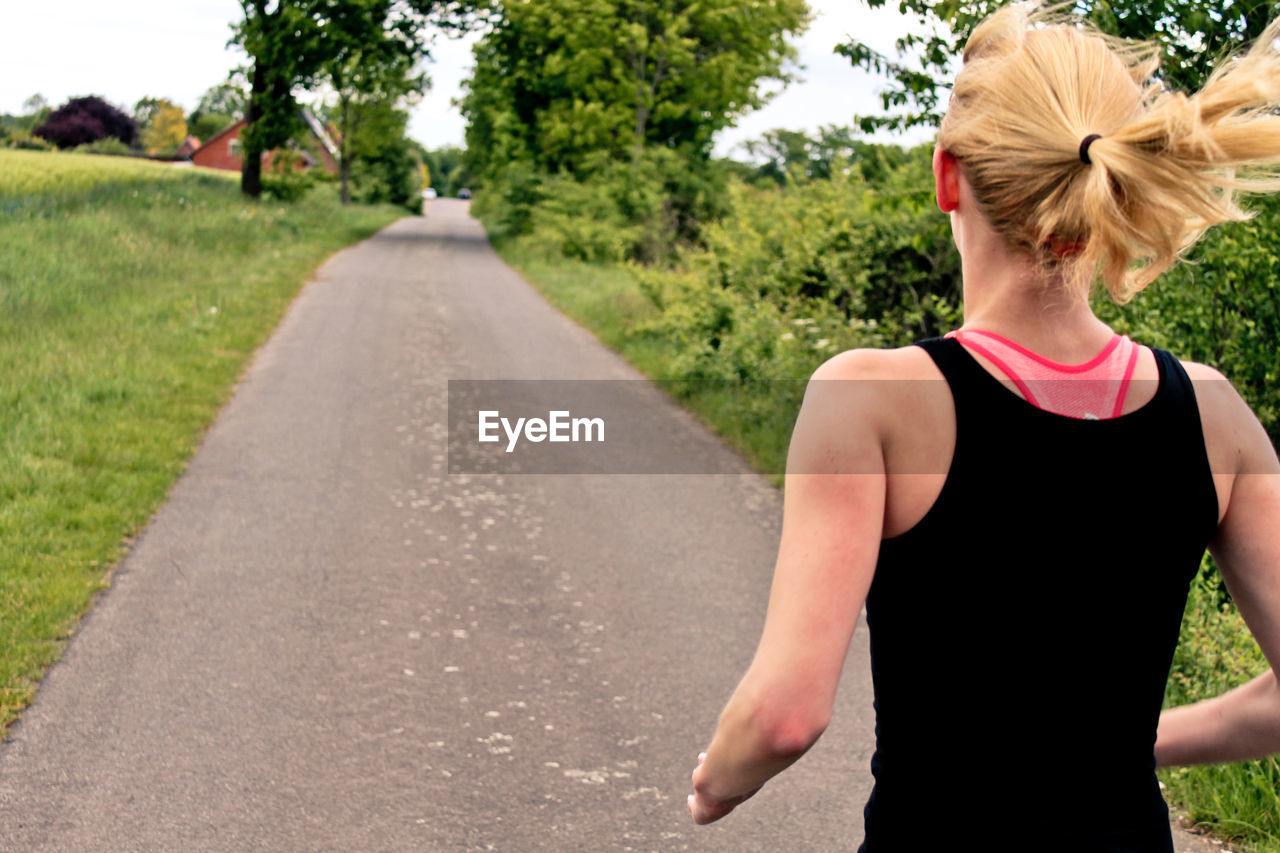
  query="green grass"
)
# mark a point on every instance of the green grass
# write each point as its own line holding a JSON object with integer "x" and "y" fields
{"x": 1239, "y": 802}
{"x": 129, "y": 305}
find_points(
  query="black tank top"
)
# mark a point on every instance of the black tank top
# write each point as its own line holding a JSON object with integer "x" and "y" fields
{"x": 1023, "y": 630}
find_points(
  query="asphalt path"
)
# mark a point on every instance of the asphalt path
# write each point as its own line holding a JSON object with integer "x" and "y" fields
{"x": 326, "y": 641}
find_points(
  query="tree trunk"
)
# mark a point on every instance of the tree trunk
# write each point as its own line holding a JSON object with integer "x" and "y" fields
{"x": 344, "y": 159}
{"x": 250, "y": 147}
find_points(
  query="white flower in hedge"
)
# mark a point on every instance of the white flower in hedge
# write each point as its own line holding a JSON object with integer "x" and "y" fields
{"x": 821, "y": 343}
{"x": 787, "y": 336}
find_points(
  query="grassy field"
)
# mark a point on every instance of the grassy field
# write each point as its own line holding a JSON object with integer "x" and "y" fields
{"x": 1239, "y": 802}
{"x": 132, "y": 295}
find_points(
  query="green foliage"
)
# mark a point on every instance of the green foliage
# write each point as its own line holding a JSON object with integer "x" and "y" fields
{"x": 785, "y": 155}
{"x": 110, "y": 145}
{"x": 557, "y": 81}
{"x": 294, "y": 43}
{"x": 23, "y": 140}
{"x": 389, "y": 176}
{"x": 286, "y": 181}
{"x": 792, "y": 275}
{"x": 219, "y": 107}
{"x": 448, "y": 171}
{"x": 576, "y": 105}
{"x": 205, "y": 126}
{"x": 1193, "y": 35}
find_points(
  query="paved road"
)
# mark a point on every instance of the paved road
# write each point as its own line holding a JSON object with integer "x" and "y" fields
{"x": 326, "y": 642}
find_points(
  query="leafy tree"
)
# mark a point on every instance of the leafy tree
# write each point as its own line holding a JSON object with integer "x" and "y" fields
{"x": 448, "y": 170}
{"x": 166, "y": 128}
{"x": 36, "y": 110}
{"x": 219, "y": 107}
{"x": 205, "y": 126}
{"x": 289, "y": 43}
{"x": 81, "y": 121}
{"x": 228, "y": 98}
{"x": 789, "y": 154}
{"x": 617, "y": 102}
{"x": 35, "y": 104}
{"x": 373, "y": 47}
{"x": 1193, "y": 35}
{"x": 283, "y": 43}
{"x": 557, "y": 80}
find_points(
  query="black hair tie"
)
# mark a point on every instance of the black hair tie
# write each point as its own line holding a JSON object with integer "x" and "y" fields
{"x": 1084, "y": 148}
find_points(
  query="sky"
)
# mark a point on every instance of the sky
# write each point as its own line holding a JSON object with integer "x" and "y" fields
{"x": 129, "y": 49}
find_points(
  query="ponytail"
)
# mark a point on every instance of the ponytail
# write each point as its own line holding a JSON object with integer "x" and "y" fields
{"x": 1080, "y": 158}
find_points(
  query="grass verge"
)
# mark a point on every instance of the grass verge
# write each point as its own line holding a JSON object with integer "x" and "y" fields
{"x": 1237, "y": 802}
{"x": 132, "y": 295}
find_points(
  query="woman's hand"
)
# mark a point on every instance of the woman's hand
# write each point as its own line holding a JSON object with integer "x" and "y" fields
{"x": 705, "y": 809}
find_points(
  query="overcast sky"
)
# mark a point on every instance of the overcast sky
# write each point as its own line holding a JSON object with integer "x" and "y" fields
{"x": 129, "y": 49}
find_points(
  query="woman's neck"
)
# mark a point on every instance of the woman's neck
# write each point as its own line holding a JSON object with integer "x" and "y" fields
{"x": 1007, "y": 294}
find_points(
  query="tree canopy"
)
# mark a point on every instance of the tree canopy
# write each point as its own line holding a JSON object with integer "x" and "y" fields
{"x": 293, "y": 43}
{"x": 560, "y": 80}
{"x": 1193, "y": 36}
{"x": 81, "y": 121}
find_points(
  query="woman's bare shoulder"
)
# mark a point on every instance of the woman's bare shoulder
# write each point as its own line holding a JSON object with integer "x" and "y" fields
{"x": 1234, "y": 437}
{"x": 909, "y": 362}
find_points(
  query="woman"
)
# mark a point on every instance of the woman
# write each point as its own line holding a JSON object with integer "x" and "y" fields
{"x": 1024, "y": 562}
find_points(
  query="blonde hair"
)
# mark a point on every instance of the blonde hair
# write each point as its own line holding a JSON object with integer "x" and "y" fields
{"x": 1164, "y": 168}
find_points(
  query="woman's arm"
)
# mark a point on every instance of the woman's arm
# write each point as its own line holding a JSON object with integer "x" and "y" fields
{"x": 1243, "y": 723}
{"x": 833, "y": 512}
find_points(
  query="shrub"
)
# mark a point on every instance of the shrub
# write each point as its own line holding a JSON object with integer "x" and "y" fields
{"x": 110, "y": 145}
{"x": 22, "y": 139}
{"x": 81, "y": 121}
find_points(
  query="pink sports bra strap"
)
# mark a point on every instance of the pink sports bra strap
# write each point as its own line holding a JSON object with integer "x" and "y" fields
{"x": 1093, "y": 390}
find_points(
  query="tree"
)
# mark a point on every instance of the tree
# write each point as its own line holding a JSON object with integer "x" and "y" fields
{"x": 1193, "y": 35}
{"x": 283, "y": 43}
{"x": 785, "y": 153}
{"x": 35, "y": 103}
{"x": 219, "y": 106}
{"x": 165, "y": 129}
{"x": 558, "y": 80}
{"x": 287, "y": 45}
{"x": 373, "y": 48}
{"x": 83, "y": 120}
{"x": 228, "y": 98}
{"x": 448, "y": 174}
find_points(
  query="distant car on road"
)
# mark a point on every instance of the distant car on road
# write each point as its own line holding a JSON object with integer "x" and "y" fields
{"x": 429, "y": 192}
{"x": 464, "y": 193}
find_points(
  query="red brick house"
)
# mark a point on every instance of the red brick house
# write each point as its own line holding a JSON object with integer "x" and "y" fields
{"x": 222, "y": 151}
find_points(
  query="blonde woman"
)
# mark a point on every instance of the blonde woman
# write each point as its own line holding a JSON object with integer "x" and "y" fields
{"x": 1023, "y": 540}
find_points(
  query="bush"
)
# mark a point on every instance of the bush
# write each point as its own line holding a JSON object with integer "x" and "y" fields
{"x": 285, "y": 181}
{"x": 81, "y": 121}
{"x": 392, "y": 175}
{"x": 110, "y": 145}
{"x": 790, "y": 276}
{"x": 24, "y": 140}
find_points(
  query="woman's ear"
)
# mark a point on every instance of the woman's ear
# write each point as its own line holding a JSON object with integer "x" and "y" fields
{"x": 946, "y": 177}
